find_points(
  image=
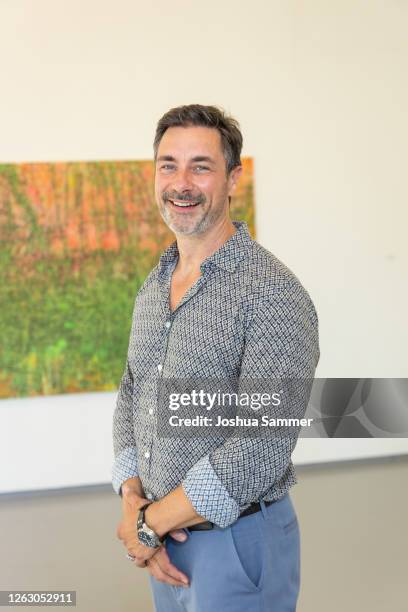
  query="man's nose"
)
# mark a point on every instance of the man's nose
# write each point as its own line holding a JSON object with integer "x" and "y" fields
{"x": 182, "y": 181}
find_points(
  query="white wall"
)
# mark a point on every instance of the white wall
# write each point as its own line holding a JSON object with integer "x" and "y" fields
{"x": 320, "y": 89}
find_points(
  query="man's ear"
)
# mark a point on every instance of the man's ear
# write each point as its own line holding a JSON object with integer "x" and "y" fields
{"x": 234, "y": 178}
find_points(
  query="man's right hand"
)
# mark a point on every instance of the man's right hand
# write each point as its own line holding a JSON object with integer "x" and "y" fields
{"x": 159, "y": 566}
{"x": 163, "y": 570}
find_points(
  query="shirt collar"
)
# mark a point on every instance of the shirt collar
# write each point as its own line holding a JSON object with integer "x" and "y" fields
{"x": 227, "y": 256}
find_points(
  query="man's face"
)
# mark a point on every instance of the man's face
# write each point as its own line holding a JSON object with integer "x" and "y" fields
{"x": 191, "y": 183}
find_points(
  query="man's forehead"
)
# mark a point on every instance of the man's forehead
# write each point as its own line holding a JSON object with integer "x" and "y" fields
{"x": 194, "y": 140}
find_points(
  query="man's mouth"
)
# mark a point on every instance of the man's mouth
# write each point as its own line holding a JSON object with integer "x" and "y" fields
{"x": 183, "y": 203}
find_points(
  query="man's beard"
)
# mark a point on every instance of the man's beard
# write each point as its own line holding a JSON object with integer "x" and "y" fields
{"x": 176, "y": 222}
{"x": 189, "y": 227}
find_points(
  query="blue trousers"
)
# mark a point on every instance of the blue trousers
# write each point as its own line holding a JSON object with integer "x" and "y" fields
{"x": 253, "y": 565}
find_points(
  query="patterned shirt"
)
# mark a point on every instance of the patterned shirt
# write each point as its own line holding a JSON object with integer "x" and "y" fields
{"x": 246, "y": 316}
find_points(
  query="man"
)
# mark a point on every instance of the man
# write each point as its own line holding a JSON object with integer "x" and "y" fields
{"x": 211, "y": 519}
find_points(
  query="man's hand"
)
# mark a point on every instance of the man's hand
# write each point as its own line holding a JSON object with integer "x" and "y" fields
{"x": 162, "y": 569}
{"x": 132, "y": 501}
{"x": 140, "y": 552}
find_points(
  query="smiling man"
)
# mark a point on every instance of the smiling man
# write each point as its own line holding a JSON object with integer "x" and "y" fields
{"x": 210, "y": 517}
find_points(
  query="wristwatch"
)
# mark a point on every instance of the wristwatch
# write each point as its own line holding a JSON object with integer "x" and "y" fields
{"x": 146, "y": 535}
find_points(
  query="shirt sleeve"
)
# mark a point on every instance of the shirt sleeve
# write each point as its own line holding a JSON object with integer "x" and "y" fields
{"x": 281, "y": 343}
{"x": 125, "y": 464}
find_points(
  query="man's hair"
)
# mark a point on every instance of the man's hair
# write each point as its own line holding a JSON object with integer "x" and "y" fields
{"x": 205, "y": 116}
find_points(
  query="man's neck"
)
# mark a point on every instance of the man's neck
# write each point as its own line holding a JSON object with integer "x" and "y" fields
{"x": 193, "y": 250}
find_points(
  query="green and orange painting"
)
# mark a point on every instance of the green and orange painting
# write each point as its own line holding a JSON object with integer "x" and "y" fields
{"x": 77, "y": 239}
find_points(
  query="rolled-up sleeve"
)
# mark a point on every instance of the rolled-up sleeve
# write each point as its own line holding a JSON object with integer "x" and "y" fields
{"x": 281, "y": 343}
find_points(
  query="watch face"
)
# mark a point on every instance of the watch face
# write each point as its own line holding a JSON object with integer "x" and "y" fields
{"x": 147, "y": 539}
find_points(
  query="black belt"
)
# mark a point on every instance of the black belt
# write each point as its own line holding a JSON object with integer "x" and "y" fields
{"x": 255, "y": 507}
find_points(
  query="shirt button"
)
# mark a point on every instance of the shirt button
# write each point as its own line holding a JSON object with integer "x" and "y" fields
{"x": 160, "y": 367}
{"x": 168, "y": 323}
{"x": 147, "y": 454}
{"x": 149, "y": 496}
{"x": 150, "y": 410}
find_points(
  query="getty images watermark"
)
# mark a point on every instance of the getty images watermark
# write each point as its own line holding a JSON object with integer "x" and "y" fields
{"x": 232, "y": 400}
{"x": 301, "y": 407}
{"x": 189, "y": 408}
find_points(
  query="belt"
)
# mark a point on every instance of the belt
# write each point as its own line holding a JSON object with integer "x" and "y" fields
{"x": 255, "y": 507}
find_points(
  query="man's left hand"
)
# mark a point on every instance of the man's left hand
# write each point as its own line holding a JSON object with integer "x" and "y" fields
{"x": 128, "y": 535}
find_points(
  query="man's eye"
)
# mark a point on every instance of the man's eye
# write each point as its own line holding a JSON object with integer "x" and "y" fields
{"x": 201, "y": 168}
{"x": 167, "y": 167}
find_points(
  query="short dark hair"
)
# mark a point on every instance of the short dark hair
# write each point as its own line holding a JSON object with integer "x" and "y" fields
{"x": 205, "y": 116}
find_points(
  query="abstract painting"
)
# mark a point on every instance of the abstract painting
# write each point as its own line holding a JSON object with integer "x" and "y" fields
{"x": 77, "y": 239}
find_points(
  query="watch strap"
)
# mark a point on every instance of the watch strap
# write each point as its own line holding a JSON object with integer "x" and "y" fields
{"x": 141, "y": 516}
{"x": 141, "y": 521}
